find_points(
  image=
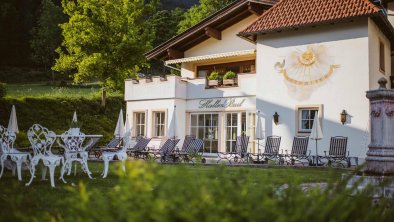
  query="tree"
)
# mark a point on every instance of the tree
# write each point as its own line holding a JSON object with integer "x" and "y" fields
{"x": 165, "y": 24}
{"x": 105, "y": 40}
{"x": 198, "y": 12}
{"x": 46, "y": 36}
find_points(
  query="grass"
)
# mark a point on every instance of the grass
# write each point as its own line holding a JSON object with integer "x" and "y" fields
{"x": 39, "y": 197}
{"x": 43, "y": 90}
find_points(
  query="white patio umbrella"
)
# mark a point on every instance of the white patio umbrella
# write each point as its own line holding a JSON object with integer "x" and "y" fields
{"x": 127, "y": 128}
{"x": 13, "y": 123}
{"x": 259, "y": 130}
{"x": 119, "y": 129}
{"x": 316, "y": 133}
{"x": 75, "y": 119}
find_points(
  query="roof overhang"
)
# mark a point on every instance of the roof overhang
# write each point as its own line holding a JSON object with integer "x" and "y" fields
{"x": 212, "y": 57}
{"x": 219, "y": 21}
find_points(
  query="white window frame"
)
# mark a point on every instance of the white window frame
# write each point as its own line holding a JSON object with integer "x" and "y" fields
{"x": 137, "y": 125}
{"x": 298, "y": 117}
{"x": 164, "y": 123}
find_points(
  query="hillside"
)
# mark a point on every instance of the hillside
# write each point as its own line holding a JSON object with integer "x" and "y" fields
{"x": 171, "y": 4}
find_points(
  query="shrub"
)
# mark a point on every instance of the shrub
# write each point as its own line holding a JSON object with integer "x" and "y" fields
{"x": 3, "y": 90}
{"x": 229, "y": 75}
{"x": 150, "y": 192}
{"x": 213, "y": 76}
{"x": 56, "y": 115}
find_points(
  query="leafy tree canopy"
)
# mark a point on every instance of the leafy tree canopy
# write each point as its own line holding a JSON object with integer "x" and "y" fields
{"x": 47, "y": 34}
{"x": 105, "y": 40}
{"x": 198, "y": 12}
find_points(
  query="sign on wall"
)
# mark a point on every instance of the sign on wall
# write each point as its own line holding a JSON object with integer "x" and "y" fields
{"x": 221, "y": 103}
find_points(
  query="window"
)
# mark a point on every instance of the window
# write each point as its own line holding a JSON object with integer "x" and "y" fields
{"x": 381, "y": 57}
{"x": 139, "y": 124}
{"x": 158, "y": 124}
{"x": 305, "y": 119}
{"x": 206, "y": 127}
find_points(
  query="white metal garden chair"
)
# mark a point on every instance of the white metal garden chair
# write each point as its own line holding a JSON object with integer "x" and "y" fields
{"x": 41, "y": 140}
{"x": 120, "y": 154}
{"x": 7, "y": 139}
{"x": 74, "y": 151}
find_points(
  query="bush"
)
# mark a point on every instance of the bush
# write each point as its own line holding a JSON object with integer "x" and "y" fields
{"x": 213, "y": 76}
{"x": 229, "y": 75}
{"x": 151, "y": 192}
{"x": 3, "y": 90}
{"x": 56, "y": 115}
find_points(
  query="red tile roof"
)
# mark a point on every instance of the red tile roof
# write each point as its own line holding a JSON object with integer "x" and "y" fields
{"x": 288, "y": 14}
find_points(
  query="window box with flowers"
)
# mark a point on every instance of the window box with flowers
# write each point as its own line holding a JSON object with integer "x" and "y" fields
{"x": 229, "y": 78}
{"x": 213, "y": 79}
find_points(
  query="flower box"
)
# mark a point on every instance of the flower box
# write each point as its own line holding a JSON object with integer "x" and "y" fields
{"x": 213, "y": 82}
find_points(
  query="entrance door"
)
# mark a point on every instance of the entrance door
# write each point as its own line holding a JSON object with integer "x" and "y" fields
{"x": 206, "y": 127}
{"x": 231, "y": 131}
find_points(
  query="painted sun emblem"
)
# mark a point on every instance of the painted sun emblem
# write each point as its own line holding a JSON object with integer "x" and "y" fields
{"x": 307, "y": 67}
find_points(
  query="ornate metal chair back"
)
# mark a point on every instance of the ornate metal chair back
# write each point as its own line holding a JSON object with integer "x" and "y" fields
{"x": 272, "y": 145}
{"x": 72, "y": 141}
{"x": 41, "y": 139}
{"x": 7, "y": 139}
{"x": 300, "y": 145}
{"x": 338, "y": 146}
{"x": 127, "y": 142}
{"x": 242, "y": 143}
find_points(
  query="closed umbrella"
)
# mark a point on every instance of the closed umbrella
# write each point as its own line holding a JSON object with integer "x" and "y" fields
{"x": 13, "y": 123}
{"x": 119, "y": 129}
{"x": 259, "y": 130}
{"x": 75, "y": 119}
{"x": 316, "y": 133}
{"x": 127, "y": 127}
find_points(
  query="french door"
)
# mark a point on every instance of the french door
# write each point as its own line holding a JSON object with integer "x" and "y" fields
{"x": 206, "y": 127}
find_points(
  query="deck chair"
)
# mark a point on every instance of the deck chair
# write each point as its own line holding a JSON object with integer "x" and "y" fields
{"x": 178, "y": 152}
{"x": 165, "y": 151}
{"x": 299, "y": 151}
{"x": 240, "y": 154}
{"x": 113, "y": 145}
{"x": 337, "y": 153}
{"x": 190, "y": 152}
{"x": 139, "y": 150}
{"x": 271, "y": 151}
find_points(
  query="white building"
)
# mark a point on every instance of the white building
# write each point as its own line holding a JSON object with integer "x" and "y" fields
{"x": 291, "y": 57}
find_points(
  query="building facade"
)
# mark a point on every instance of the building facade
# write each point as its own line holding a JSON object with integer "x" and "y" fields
{"x": 289, "y": 57}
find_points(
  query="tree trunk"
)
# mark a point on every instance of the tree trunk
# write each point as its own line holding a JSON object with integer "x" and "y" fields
{"x": 53, "y": 72}
{"x": 103, "y": 97}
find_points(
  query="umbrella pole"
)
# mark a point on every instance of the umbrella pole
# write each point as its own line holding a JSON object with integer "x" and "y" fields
{"x": 317, "y": 156}
{"x": 258, "y": 149}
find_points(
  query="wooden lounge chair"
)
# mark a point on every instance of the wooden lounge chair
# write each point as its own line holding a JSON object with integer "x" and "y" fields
{"x": 271, "y": 151}
{"x": 165, "y": 151}
{"x": 241, "y": 151}
{"x": 299, "y": 151}
{"x": 113, "y": 145}
{"x": 337, "y": 153}
{"x": 138, "y": 151}
{"x": 190, "y": 152}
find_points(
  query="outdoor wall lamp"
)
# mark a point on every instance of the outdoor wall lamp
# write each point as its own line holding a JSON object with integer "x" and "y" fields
{"x": 343, "y": 117}
{"x": 276, "y": 118}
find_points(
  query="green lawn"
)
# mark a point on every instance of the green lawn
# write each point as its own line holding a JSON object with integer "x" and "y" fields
{"x": 42, "y": 90}
{"x": 40, "y": 197}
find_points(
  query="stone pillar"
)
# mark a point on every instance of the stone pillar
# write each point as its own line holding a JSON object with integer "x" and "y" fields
{"x": 380, "y": 155}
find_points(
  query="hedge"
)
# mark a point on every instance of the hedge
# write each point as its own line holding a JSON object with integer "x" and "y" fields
{"x": 56, "y": 115}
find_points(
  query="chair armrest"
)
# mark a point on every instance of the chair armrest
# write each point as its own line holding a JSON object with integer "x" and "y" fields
{"x": 325, "y": 153}
{"x": 348, "y": 153}
{"x": 309, "y": 153}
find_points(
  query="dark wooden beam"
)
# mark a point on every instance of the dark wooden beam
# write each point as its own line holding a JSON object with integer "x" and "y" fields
{"x": 255, "y": 8}
{"x": 174, "y": 54}
{"x": 214, "y": 33}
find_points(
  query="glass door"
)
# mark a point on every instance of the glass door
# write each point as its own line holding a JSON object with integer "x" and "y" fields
{"x": 206, "y": 127}
{"x": 231, "y": 131}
